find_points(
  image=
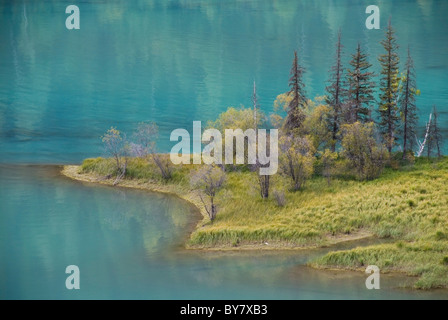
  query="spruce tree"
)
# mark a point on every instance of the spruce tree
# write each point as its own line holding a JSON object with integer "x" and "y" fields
{"x": 408, "y": 109}
{"x": 360, "y": 87}
{"x": 389, "y": 88}
{"x": 434, "y": 135}
{"x": 296, "y": 114}
{"x": 255, "y": 106}
{"x": 335, "y": 92}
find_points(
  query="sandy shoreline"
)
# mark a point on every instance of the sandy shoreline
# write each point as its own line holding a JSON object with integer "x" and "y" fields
{"x": 72, "y": 172}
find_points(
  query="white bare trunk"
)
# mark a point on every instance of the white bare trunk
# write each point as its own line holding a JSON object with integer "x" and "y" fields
{"x": 421, "y": 145}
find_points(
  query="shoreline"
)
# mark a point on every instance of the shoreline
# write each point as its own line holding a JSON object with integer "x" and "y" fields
{"x": 72, "y": 172}
{"x": 345, "y": 251}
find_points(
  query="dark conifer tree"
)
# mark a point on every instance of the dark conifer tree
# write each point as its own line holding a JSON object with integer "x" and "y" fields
{"x": 296, "y": 114}
{"x": 360, "y": 87}
{"x": 388, "y": 109}
{"x": 255, "y": 105}
{"x": 408, "y": 108}
{"x": 435, "y": 139}
{"x": 335, "y": 93}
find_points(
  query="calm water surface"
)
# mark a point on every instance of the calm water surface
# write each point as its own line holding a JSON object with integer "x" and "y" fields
{"x": 128, "y": 244}
{"x": 178, "y": 61}
{"x": 171, "y": 62}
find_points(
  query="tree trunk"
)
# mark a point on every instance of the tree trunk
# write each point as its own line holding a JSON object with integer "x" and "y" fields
{"x": 212, "y": 210}
{"x": 405, "y": 134}
{"x": 122, "y": 174}
{"x": 406, "y": 101}
{"x": 264, "y": 186}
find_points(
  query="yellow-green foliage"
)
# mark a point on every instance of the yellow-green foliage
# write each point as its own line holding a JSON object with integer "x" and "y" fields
{"x": 407, "y": 205}
{"x": 316, "y": 126}
{"x": 359, "y": 146}
{"x": 410, "y": 204}
{"x": 297, "y": 159}
{"x": 241, "y": 118}
{"x": 138, "y": 168}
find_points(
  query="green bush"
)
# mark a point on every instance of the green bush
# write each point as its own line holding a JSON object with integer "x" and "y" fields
{"x": 445, "y": 261}
{"x": 365, "y": 155}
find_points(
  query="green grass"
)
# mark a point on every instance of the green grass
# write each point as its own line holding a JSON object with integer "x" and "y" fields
{"x": 137, "y": 168}
{"x": 408, "y": 205}
{"x": 426, "y": 260}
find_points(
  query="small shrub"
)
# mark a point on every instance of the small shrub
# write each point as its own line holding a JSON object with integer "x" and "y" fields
{"x": 445, "y": 261}
{"x": 394, "y": 164}
{"x": 364, "y": 153}
{"x": 411, "y": 203}
{"x": 410, "y": 158}
{"x": 440, "y": 235}
{"x": 296, "y": 159}
{"x": 280, "y": 198}
{"x": 388, "y": 263}
{"x": 400, "y": 160}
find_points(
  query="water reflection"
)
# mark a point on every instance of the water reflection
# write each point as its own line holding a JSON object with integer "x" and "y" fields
{"x": 178, "y": 61}
{"x": 128, "y": 244}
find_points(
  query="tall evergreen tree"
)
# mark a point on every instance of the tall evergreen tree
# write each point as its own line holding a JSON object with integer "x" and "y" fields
{"x": 389, "y": 88}
{"x": 434, "y": 135}
{"x": 408, "y": 109}
{"x": 255, "y": 105}
{"x": 335, "y": 92}
{"x": 360, "y": 87}
{"x": 296, "y": 114}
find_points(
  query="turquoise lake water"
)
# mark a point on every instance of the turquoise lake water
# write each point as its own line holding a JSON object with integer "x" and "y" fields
{"x": 128, "y": 245}
{"x": 171, "y": 62}
{"x": 177, "y": 61}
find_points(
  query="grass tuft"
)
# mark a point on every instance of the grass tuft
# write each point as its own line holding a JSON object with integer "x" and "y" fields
{"x": 407, "y": 205}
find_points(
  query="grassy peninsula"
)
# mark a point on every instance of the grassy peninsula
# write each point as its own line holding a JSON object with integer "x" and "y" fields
{"x": 408, "y": 205}
{"x": 350, "y": 166}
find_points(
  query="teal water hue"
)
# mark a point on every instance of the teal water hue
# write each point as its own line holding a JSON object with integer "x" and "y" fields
{"x": 178, "y": 61}
{"x": 172, "y": 62}
{"x": 128, "y": 245}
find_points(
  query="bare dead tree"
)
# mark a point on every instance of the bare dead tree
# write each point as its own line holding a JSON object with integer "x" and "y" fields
{"x": 116, "y": 146}
{"x": 336, "y": 92}
{"x": 421, "y": 144}
{"x": 263, "y": 180}
{"x": 255, "y": 104}
{"x": 164, "y": 165}
{"x": 146, "y": 137}
{"x": 208, "y": 180}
